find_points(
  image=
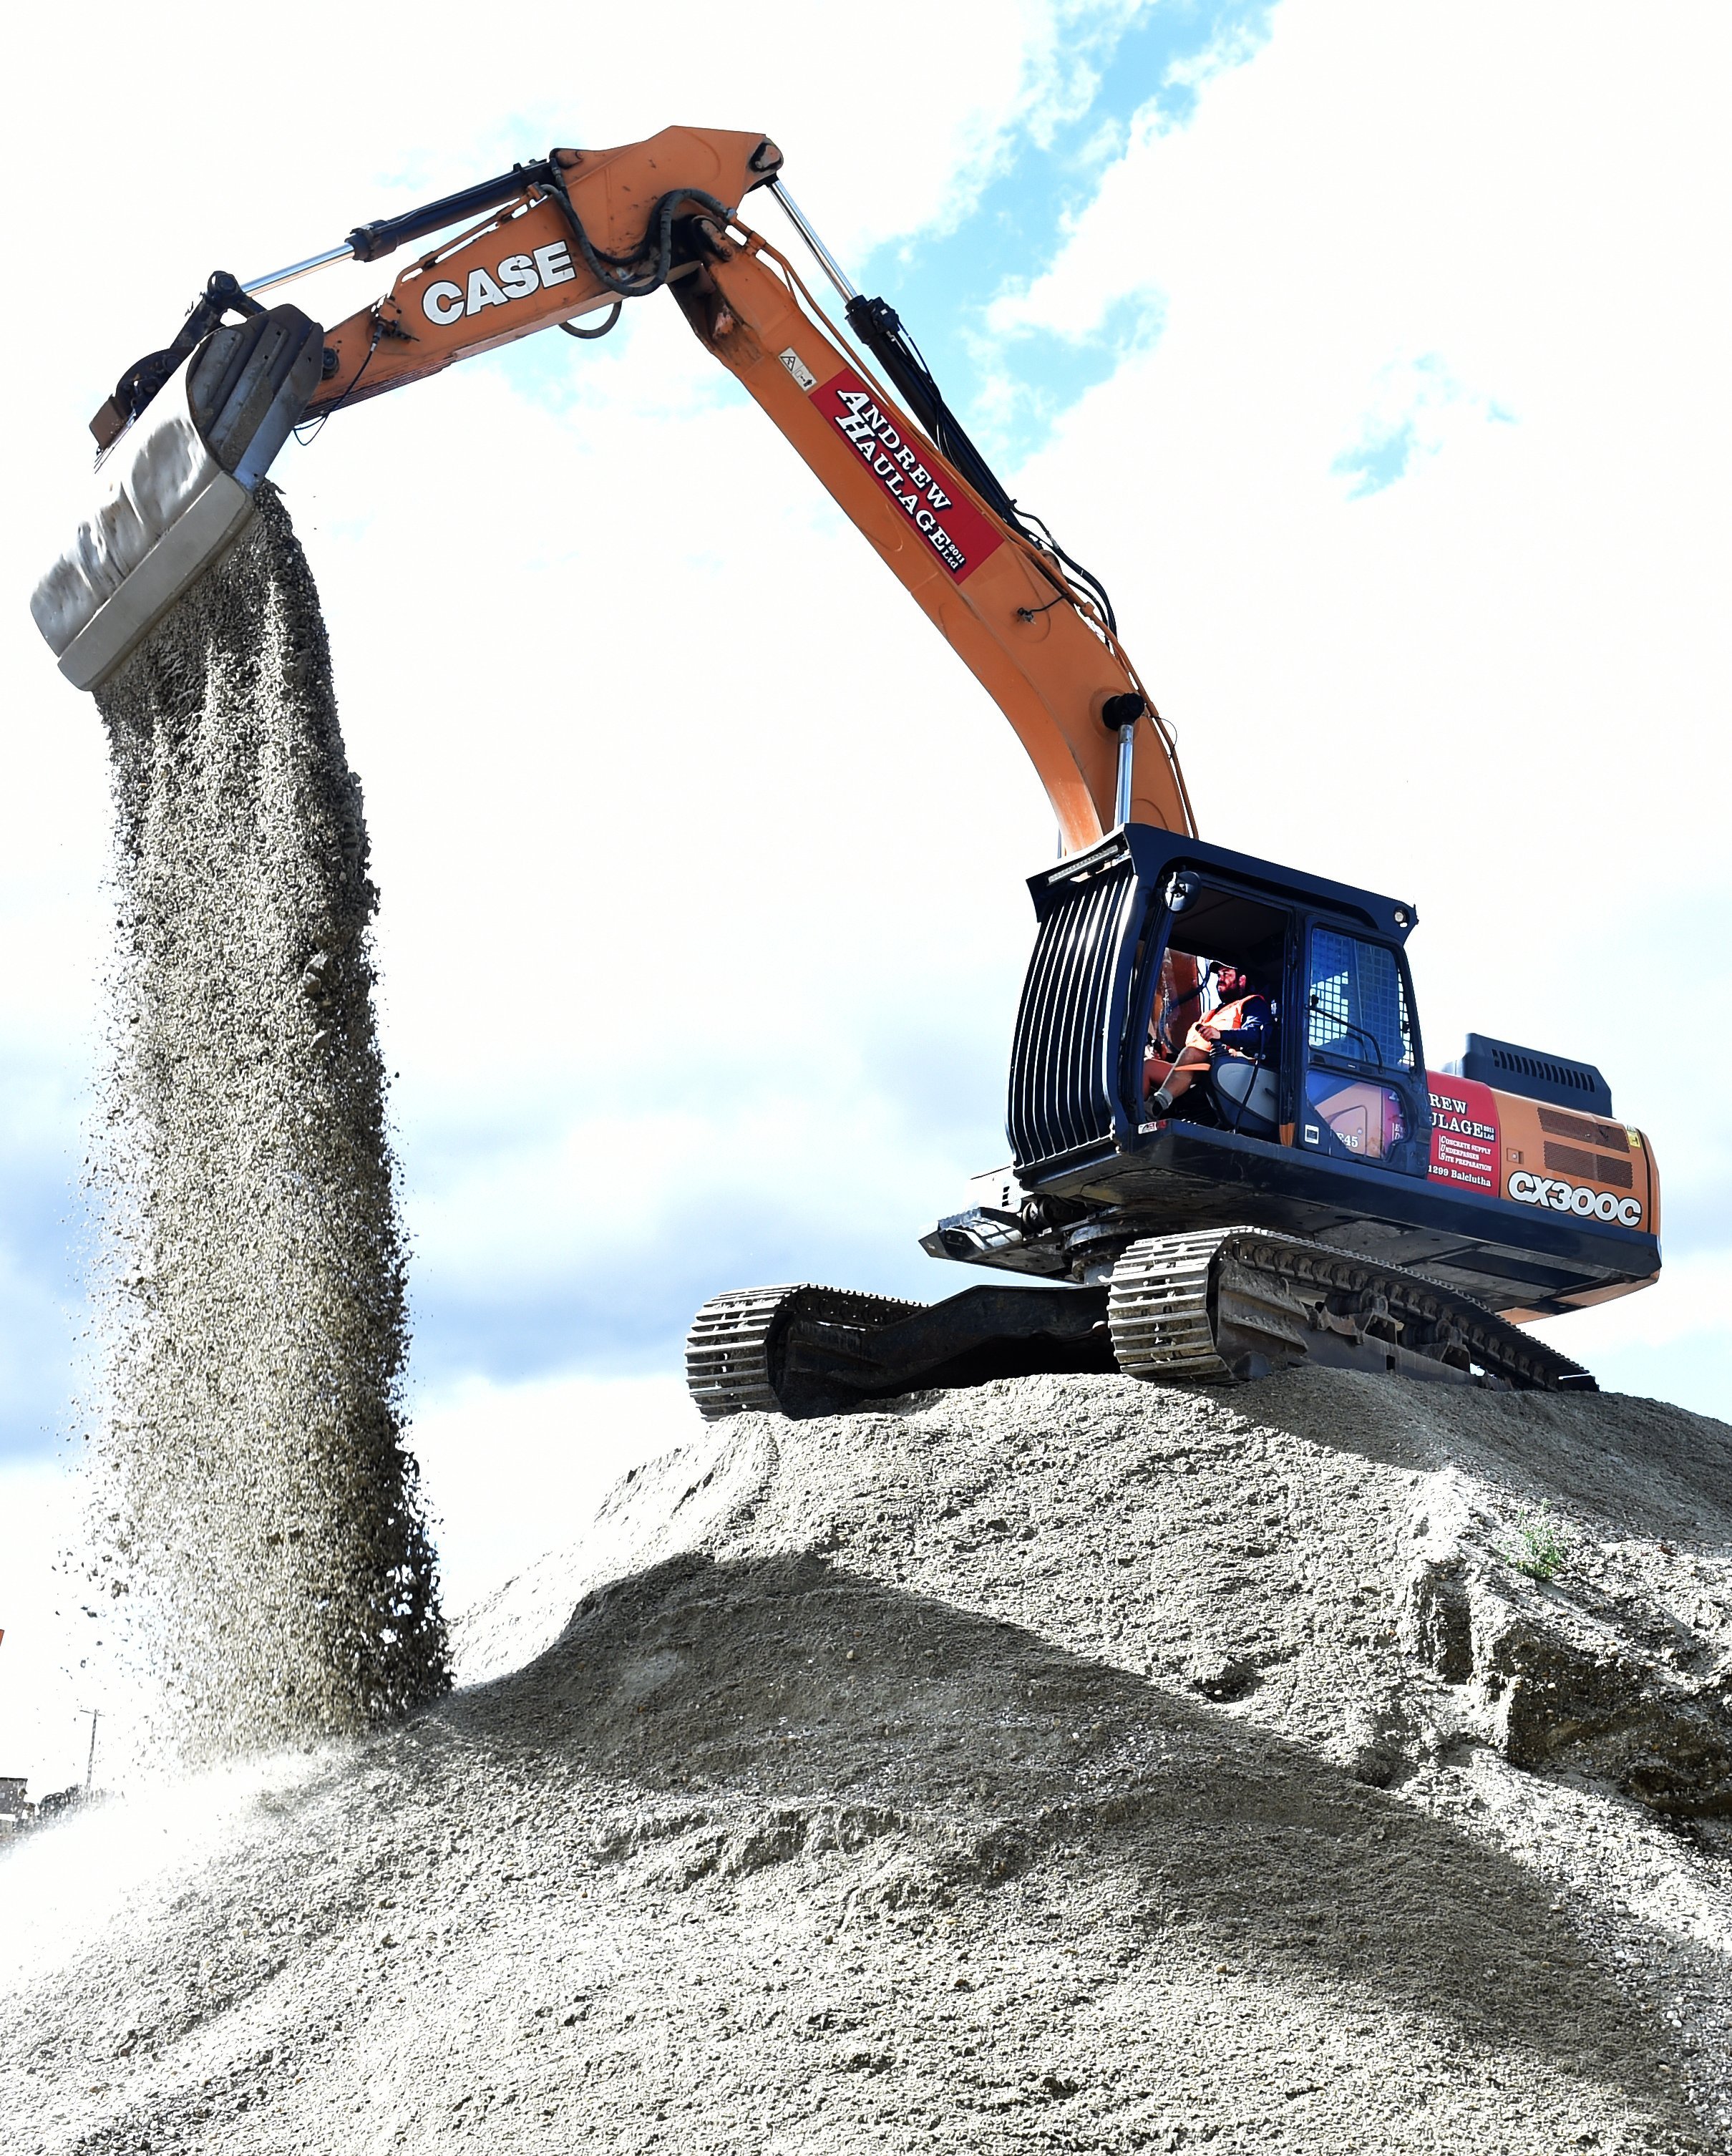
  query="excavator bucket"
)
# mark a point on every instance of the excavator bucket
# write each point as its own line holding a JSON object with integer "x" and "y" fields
{"x": 178, "y": 490}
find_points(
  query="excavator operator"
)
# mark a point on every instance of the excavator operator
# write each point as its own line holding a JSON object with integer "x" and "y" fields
{"x": 1241, "y": 1026}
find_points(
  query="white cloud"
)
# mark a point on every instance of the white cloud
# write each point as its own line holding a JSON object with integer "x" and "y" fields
{"x": 1695, "y": 1305}
{"x": 1414, "y": 408}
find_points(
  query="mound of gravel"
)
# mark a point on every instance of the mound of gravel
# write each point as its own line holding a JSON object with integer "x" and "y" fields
{"x": 257, "y": 1532}
{"x": 1071, "y": 1764}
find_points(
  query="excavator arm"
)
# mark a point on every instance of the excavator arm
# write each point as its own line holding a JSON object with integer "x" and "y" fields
{"x": 576, "y": 236}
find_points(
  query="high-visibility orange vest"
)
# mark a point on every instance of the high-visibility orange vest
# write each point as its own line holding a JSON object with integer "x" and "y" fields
{"x": 1228, "y": 1018}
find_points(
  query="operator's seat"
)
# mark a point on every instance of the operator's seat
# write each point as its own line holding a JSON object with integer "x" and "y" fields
{"x": 1247, "y": 1095}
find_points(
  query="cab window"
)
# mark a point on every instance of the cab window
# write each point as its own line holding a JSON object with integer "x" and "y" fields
{"x": 1369, "y": 1121}
{"x": 1358, "y": 1003}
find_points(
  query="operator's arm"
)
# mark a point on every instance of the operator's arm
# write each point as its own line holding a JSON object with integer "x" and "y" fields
{"x": 591, "y": 228}
{"x": 1249, "y": 1036}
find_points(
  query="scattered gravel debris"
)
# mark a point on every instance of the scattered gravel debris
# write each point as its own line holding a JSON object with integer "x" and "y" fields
{"x": 258, "y": 1525}
{"x": 1071, "y": 1764}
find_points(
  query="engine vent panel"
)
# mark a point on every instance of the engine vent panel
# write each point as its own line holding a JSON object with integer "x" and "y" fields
{"x": 1534, "y": 1073}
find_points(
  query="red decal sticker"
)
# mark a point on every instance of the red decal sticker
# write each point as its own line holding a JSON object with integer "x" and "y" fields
{"x": 927, "y": 494}
{"x": 1464, "y": 1133}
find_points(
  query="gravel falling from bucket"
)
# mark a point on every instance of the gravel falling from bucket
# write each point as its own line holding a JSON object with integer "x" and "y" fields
{"x": 258, "y": 1521}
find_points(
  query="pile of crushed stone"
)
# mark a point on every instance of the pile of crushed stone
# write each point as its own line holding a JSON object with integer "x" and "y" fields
{"x": 258, "y": 1532}
{"x": 1072, "y": 1764}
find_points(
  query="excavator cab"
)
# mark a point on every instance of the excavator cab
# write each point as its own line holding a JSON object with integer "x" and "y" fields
{"x": 1364, "y": 1094}
{"x": 1336, "y": 1131}
{"x": 1131, "y": 935}
{"x": 1189, "y": 950}
{"x": 1344, "y": 1076}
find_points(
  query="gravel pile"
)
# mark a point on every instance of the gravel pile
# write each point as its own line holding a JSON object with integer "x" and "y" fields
{"x": 1070, "y": 1765}
{"x": 257, "y": 1533}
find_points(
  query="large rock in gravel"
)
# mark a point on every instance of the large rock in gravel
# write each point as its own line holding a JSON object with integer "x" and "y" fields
{"x": 1071, "y": 1764}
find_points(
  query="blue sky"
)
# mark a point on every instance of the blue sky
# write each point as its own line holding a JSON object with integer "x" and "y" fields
{"x": 1005, "y": 221}
{"x": 1145, "y": 63}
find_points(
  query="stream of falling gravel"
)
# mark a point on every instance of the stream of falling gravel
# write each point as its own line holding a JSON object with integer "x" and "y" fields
{"x": 257, "y": 1527}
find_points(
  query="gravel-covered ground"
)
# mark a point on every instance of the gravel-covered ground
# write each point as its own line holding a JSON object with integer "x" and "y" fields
{"x": 1072, "y": 1764}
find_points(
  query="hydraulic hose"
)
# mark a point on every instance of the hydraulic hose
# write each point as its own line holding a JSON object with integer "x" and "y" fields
{"x": 630, "y": 276}
{"x": 879, "y": 328}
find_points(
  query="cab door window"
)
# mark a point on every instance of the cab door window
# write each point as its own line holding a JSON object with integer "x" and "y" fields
{"x": 1369, "y": 1121}
{"x": 1361, "y": 1060}
{"x": 1358, "y": 1003}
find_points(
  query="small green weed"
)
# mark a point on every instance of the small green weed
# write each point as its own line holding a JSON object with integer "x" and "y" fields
{"x": 1540, "y": 1550}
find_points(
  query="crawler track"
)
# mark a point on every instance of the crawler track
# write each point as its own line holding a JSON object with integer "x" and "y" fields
{"x": 735, "y": 1358}
{"x": 810, "y": 1351}
{"x": 1240, "y": 1302}
{"x": 1219, "y": 1306}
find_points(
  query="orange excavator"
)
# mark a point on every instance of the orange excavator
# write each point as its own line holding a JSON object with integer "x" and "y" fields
{"x": 1229, "y": 1153}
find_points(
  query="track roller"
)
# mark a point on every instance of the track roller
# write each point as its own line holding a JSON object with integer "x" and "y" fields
{"x": 1237, "y": 1303}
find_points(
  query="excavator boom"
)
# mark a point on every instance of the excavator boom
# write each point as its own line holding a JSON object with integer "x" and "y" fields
{"x": 577, "y": 233}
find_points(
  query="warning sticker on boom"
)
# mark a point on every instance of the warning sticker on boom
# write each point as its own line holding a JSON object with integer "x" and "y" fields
{"x": 927, "y": 495}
